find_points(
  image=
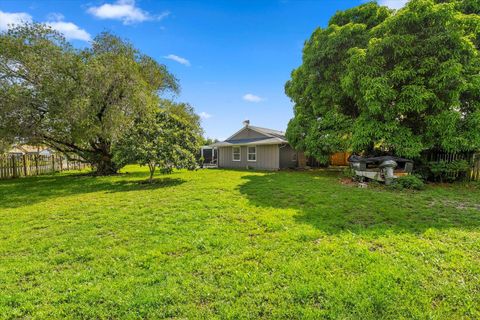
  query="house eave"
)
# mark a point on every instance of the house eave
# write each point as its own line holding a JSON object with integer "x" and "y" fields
{"x": 269, "y": 141}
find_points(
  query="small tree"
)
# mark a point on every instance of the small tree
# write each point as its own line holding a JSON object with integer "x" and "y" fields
{"x": 165, "y": 141}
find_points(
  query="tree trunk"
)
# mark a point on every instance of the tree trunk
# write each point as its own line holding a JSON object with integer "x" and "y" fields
{"x": 103, "y": 160}
{"x": 152, "y": 171}
{"x": 105, "y": 166}
{"x": 103, "y": 163}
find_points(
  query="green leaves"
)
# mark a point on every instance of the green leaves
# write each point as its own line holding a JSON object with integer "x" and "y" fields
{"x": 167, "y": 141}
{"x": 369, "y": 14}
{"x": 407, "y": 81}
{"x": 76, "y": 101}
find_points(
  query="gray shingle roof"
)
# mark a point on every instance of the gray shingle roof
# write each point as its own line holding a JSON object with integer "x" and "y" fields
{"x": 272, "y": 137}
{"x": 271, "y": 132}
{"x": 245, "y": 142}
{"x": 240, "y": 141}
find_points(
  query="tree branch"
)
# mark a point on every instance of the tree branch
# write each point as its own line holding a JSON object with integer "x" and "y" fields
{"x": 58, "y": 143}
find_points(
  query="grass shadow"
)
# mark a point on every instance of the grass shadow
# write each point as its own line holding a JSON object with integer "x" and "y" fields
{"x": 326, "y": 204}
{"x": 27, "y": 191}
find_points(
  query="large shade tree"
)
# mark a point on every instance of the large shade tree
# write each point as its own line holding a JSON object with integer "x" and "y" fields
{"x": 402, "y": 82}
{"x": 76, "y": 101}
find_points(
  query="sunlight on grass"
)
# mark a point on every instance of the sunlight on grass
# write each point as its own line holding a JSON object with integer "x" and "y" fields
{"x": 235, "y": 244}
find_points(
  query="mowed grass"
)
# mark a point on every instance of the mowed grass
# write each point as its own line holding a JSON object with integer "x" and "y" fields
{"x": 236, "y": 244}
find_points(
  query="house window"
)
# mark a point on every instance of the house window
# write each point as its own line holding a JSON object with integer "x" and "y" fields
{"x": 294, "y": 157}
{"x": 252, "y": 154}
{"x": 236, "y": 154}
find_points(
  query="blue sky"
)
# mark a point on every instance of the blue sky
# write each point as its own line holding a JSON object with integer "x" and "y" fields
{"x": 232, "y": 58}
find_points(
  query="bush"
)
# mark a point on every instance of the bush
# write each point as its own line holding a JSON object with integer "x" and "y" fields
{"x": 448, "y": 171}
{"x": 348, "y": 173}
{"x": 408, "y": 182}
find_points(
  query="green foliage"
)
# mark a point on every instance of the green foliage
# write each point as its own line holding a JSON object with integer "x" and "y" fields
{"x": 369, "y": 14}
{"x": 208, "y": 141}
{"x": 230, "y": 244}
{"x": 4, "y": 146}
{"x": 348, "y": 173}
{"x": 411, "y": 182}
{"x": 166, "y": 141}
{"x": 185, "y": 112}
{"x": 397, "y": 82}
{"x": 448, "y": 171}
{"x": 76, "y": 101}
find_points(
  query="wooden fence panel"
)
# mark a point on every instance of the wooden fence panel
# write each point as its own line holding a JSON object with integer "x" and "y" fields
{"x": 339, "y": 159}
{"x": 472, "y": 158}
{"x": 475, "y": 169}
{"x": 15, "y": 166}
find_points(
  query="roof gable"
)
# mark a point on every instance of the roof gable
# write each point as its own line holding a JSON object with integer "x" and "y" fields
{"x": 250, "y": 135}
{"x": 251, "y": 132}
{"x": 247, "y": 133}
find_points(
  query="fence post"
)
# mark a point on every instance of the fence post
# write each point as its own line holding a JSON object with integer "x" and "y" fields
{"x": 475, "y": 168}
{"x": 24, "y": 160}
{"x": 36, "y": 164}
{"x": 14, "y": 166}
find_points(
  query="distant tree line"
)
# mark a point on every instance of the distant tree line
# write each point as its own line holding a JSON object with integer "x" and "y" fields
{"x": 103, "y": 103}
{"x": 400, "y": 82}
{"x": 208, "y": 141}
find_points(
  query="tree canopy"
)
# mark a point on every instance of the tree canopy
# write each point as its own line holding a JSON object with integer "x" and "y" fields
{"x": 78, "y": 101}
{"x": 168, "y": 141}
{"x": 208, "y": 141}
{"x": 399, "y": 82}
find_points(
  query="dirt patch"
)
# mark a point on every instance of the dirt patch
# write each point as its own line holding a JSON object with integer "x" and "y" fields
{"x": 347, "y": 181}
{"x": 456, "y": 204}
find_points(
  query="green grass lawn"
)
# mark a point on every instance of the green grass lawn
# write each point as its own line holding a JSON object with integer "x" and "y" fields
{"x": 236, "y": 244}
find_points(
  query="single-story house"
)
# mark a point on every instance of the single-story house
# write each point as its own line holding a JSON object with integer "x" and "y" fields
{"x": 24, "y": 149}
{"x": 255, "y": 147}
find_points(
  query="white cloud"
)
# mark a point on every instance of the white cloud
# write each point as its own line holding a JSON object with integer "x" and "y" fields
{"x": 55, "y": 16}
{"x": 252, "y": 98}
{"x": 70, "y": 30}
{"x": 178, "y": 59}
{"x": 204, "y": 115}
{"x": 8, "y": 19}
{"x": 162, "y": 15}
{"x": 124, "y": 10}
{"x": 393, "y": 4}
